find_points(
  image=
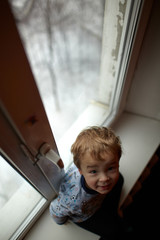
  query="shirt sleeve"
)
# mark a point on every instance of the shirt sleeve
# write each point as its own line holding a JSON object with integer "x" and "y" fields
{"x": 62, "y": 208}
{"x": 58, "y": 212}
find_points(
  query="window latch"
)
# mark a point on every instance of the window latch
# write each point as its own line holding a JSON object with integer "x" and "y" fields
{"x": 44, "y": 151}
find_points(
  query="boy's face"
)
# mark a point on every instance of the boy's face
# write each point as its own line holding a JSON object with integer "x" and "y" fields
{"x": 100, "y": 175}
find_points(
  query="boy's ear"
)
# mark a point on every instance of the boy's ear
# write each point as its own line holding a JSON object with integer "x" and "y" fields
{"x": 80, "y": 171}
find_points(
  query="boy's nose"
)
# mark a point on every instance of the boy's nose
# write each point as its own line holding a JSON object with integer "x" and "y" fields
{"x": 104, "y": 177}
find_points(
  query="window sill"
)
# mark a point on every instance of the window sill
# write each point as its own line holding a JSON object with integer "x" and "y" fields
{"x": 95, "y": 114}
{"x": 136, "y": 132}
{"x": 140, "y": 138}
{"x": 19, "y": 210}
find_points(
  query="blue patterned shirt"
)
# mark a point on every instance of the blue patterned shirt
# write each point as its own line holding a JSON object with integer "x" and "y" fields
{"x": 75, "y": 201}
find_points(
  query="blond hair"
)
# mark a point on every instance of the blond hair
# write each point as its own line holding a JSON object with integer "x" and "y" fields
{"x": 96, "y": 141}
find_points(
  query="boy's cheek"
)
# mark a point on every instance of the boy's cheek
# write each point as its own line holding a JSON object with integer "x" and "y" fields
{"x": 80, "y": 171}
{"x": 90, "y": 183}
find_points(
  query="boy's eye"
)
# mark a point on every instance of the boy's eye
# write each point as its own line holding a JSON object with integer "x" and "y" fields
{"x": 112, "y": 168}
{"x": 93, "y": 171}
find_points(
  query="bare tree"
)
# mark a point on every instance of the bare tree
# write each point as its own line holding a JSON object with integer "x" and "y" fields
{"x": 47, "y": 11}
{"x": 64, "y": 36}
{"x": 22, "y": 13}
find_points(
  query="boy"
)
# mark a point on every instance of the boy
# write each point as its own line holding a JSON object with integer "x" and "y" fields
{"x": 90, "y": 191}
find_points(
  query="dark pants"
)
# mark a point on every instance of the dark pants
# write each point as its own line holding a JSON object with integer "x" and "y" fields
{"x": 106, "y": 222}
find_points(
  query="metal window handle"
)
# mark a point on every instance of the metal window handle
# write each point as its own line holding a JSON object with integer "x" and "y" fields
{"x": 46, "y": 151}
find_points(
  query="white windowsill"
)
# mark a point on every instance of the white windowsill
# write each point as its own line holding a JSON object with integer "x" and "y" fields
{"x": 139, "y": 135}
{"x": 95, "y": 114}
{"x": 140, "y": 138}
{"x": 17, "y": 210}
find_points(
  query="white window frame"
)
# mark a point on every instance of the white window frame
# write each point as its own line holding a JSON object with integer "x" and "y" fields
{"x": 106, "y": 112}
{"x": 96, "y": 113}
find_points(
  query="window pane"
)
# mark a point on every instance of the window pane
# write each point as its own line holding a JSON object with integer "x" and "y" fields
{"x": 79, "y": 51}
{"x": 63, "y": 43}
{"x": 17, "y": 200}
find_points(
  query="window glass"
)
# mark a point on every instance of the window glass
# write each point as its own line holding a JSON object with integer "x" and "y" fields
{"x": 10, "y": 182}
{"x": 17, "y": 200}
{"x": 79, "y": 51}
{"x": 63, "y": 42}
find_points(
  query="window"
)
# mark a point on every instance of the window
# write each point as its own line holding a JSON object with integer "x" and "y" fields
{"x": 24, "y": 130}
{"x": 63, "y": 40}
{"x": 24, "y": 125}
{"x": 17, "y": 201}
{"x": 79, "y": 58}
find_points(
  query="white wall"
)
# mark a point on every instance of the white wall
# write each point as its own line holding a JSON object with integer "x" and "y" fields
{"x": 144, "y": 95}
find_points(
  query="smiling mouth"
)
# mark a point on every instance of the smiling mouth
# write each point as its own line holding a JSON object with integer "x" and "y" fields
{"x": 106, "y": 187}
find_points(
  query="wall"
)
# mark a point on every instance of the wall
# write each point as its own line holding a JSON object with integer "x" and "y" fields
{"x": 144, "y": 97}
